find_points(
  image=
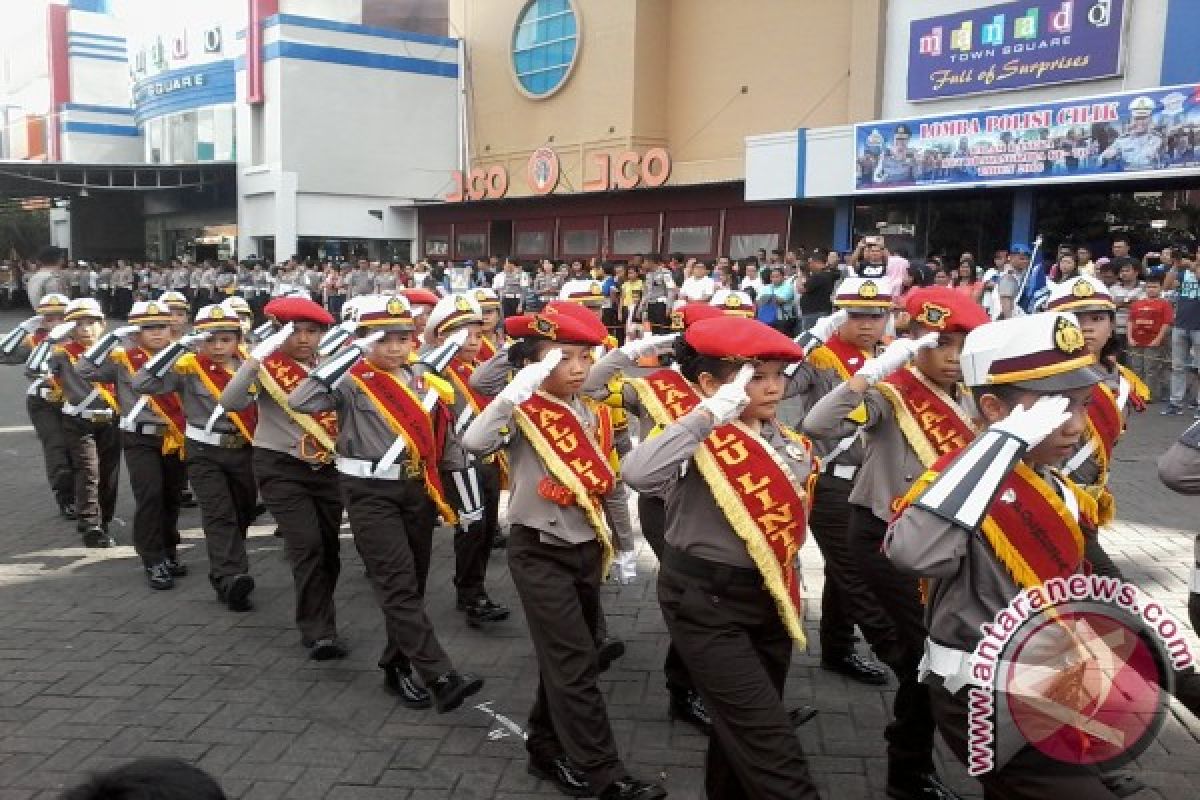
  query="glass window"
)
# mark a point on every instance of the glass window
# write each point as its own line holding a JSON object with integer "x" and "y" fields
{"x": 543, "y": 46}
{"x": 205, "y": 135}
{"x": 532, "y": 243}
{"x": 744, "y": 245}
{"x": 437, "y": 245}
{"x": 690, "y": 241}
{"x": 154, "y": 141}
{"x": 633, "y": 240}
{"x": 471, "y": 245}
{"x": 181, "y": 137}
{"x": 580, "y": 243}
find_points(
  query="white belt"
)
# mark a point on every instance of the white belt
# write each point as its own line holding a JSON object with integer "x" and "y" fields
{"x": 90, "y": 415}
{"x": 952, "y": 666}
{"x": 227, "y": 440}
{"x": 143, "y": 428}
{"x": 360, "y": 468}
{"x": 1194, "y": 587}
{"x": 843, "y": 471}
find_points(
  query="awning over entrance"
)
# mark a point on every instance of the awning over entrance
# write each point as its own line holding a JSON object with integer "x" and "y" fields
{"x": 34, "y": 179}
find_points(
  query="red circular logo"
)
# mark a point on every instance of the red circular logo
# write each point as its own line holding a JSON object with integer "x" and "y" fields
{"x": 543, "y": 171}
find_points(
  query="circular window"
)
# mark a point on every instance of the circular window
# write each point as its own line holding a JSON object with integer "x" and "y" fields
{"x": 545, "y": 43}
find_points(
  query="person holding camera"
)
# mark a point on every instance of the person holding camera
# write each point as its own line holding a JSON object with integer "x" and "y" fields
{"x": 870, "y": 256}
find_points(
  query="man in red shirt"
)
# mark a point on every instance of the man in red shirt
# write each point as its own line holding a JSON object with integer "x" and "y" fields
{"x": 1149, "y": 323}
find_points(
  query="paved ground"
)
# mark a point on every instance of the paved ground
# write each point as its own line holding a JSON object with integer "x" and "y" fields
{"x": 96, "y": 669}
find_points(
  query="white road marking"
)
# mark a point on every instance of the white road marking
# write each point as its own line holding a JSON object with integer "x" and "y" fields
{"x": 16, "y": 429}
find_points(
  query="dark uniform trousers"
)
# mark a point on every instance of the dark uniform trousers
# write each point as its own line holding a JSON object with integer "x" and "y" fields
{"x": 223, "y": 481}
{"x": 95, "y": 450}
{"x": 47, "y": 420}
{"x": 307, "y": 507}
{"x": 652, "y": 514}
{"x": 559, "y": 587}
{"x": 846, "y": 598}
{"x": 392, "y": 523}
{"x": 158, "y": 482}
{"x": 658, "y": 317}
{"x": 473, "y": 545}
{"x": 1029, "y": 775}
{"x": 122, "y": 302}
{"x": 910, "y": 733}
{"x": 738, "y": 652}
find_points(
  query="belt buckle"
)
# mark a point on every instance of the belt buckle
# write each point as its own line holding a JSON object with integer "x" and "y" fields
{"x": 230, "y": 441}
{"x": 412, "y": 470}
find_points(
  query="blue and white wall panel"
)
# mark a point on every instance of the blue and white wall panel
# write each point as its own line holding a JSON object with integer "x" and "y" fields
{"x": 98, "y": 134}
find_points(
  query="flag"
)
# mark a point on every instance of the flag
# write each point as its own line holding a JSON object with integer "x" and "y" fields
{"x": 1035, "y": 284}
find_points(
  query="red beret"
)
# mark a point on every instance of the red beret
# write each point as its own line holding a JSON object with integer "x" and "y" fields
{"x": 559, "y": 321}
{"x": 687, "y": 315}
{"x": 941, "y": 309}
{"x": 297, "y": 309}
{"x": 420, "y": 297}
{"x": 741, "y": 338}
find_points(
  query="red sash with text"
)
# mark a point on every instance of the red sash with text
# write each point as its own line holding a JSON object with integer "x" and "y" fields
{"x": 279, "y": 376}
{"x": 932, "y": 423}
{"x": 423, "y": 431}
{"x": 755, "y": 489}
{"x": 576, "y": 458}
{"x": 166, "y": 405}
{"x": 107, "y": 391}
{"x": 215, "y": 378}
{"x": 840, "y": 355}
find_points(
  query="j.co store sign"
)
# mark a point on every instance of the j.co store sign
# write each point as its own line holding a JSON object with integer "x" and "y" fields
{"x": 626, "y": 170}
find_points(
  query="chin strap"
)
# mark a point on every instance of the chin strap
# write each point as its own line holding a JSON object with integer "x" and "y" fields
{"x": 964, "y": 491}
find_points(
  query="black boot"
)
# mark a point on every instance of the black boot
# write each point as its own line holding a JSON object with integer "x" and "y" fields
{"x": 632, "y": 789}
{"x": 451, "y": 689}
{"x": 482, "y": 610}
{"x": 561, "y": 773}
{"x": 857, "y": 668}
{"x": 608, "y": 651}
{"x": 326, "y": 649}
{"x": 919, "y": 786}
{"x": 400, "y": 683}
{"x": 687, "y": 706}
{"x": 96, "y": 536}
{"x": 178, "y": 570}
{"x": 159, "y": 576}
{"x": 237, "y": 593}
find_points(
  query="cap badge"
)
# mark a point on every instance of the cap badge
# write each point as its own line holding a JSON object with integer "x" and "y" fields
{"x": 733, "y": 301}
{"x": 1067, "y": 336}
{"x": 481, "y": 296}
{"x": 461, "y": 304}
{"x": 395, "y": 307}
{"x": 934, "y": 316}
{"x": 676, "y": 320}
{"x": 544, "y": 327}
{"x": 217, "y": 313}
{"x": 1083, "y": 289}
{"x": 868, "y": 290}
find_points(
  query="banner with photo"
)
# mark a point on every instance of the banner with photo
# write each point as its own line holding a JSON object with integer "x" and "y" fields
{"x": 1132, "y": 134}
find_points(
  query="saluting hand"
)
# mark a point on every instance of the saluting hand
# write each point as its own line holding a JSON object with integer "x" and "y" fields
{"x": 192, "y": 339}
{"x": 365, "y": 342}
{"x": 273, "y": 342}
{"x": 649, "y": 346}
{"x": 531, "y": 376}
{"x": 61, "y": 331}
{"x": 726, "y": 405}
{"x": 32, "y": 324}
{"x": 895, "y": 356}
{"x": 1032, "y": 425}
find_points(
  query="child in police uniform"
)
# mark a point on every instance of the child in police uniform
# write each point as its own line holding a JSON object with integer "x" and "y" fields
{"x": 391, "y": 435}
{"x": 736, "y": 483}
{"x": 560, "y": 450}
{"x": 217, "y": 443}
{"x": 964, "y": 526}
{"x": 151, "y": 436}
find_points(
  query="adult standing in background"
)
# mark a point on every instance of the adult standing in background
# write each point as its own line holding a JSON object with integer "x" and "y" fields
{"x": 47, "y": 277}
{"x": 776, "y": 303}
{"x": 1184, "y": 279}
{"x": 815, "y": 298}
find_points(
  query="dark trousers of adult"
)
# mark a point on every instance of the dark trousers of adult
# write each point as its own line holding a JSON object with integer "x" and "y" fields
{"x": 122, "y": 302}
{"x": 307, "y": 507}
{"x": 910, "y": 733}
{"x": 652, "y": 514}
{"x": 95, "y": 450}
{"x": 658, "y": 317}
{"x": 473, "y": 542}
{"x": 47, "y": 420}
{"x": 1029, "y": 775}
{"x": 222, "y": 479}
{"x": 510, "y": 306}
{"x": 559, "y": 587}
{"x": 392, "y": 523}
{"x": 200, "y": 299}
{"x": 105, "y": 298}
{"x": 847, "y": 598}
{"x": 728, "y": 630}
{"x": 158, "y": 481}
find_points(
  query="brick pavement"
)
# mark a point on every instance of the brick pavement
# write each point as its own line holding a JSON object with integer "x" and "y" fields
{"x": 96, "y": 669}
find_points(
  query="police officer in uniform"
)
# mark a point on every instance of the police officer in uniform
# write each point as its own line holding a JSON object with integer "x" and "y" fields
{"x": 658, "y": 297}
{"x": 899, "y": 164}
{"x": 1140, "y": 147}
{"x": 122, "y": 290}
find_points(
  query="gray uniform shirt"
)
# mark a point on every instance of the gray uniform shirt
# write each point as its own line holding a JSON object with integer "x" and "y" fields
{"x": 808, "y": 385}
{"x": 363, "y": 433}
{"x": 276, "y": 430}
{"x": 695, "y": 524}
{"x": 127, "y": 398}
{"x": 198, "y": 404}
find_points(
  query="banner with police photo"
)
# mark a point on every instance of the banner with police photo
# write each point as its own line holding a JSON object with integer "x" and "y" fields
{"x": 1140, "y": 133}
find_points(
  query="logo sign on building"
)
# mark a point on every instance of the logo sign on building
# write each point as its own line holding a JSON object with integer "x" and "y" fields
{"x": 1014, "y": 46}
{"x": 1132, "y": 134}
{"x": 175, "y": 49}
{"x": 625, "y": 170}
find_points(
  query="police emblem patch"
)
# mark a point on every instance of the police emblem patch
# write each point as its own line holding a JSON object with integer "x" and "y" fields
{"x": 217, "y": 313}
{"x": 933, "y": 316}
{"x": 462, "y": 304}
{"x": 868, "y": 290}
{"x": 1083, "y": 289}
{"x": 1067, "y": 336}
{"x": 544, "y": 327}
{"x": 733, "y": 301}
{"x": 396, "y": 307}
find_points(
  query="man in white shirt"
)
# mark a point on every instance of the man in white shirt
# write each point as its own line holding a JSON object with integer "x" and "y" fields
{"x": 699, "y": 286}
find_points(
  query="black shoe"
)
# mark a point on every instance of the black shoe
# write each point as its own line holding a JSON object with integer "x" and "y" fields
{"x": 499, "y": 541}
{"x": 187, "y": 499}
{"x": 688, "y": 706}
{"x": 562, "y": 774}
{"x": 609, "y": 651}
{"x": 632, "y": 789}
{"x": 159, "y": 577}
{"x": 481, "y": 610}
{"x": 1122, "y": 783}
{"x": 177, "y": 569}
{"x": 451, "y": 689}
{"x": 326, "y": 650}
{"x": 801, "y": 715}
{"x": 920, "y": 786}
{"x": 400, "y": 683}
{"x": 855, "y": 667}
{"x": 237, "y": 593}
{"x": 96, "y": 536}
{"x": 67, "y": 509}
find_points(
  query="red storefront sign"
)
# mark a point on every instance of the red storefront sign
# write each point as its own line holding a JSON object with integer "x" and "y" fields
{"x": 626, "y": 170}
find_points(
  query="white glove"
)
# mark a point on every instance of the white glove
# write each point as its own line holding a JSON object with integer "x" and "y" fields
{"x": 624, "y": 567}
{"x": 348, "y": 325}
{"x": 365, "y": 342}
{"x": 125, "y": 330}
{"x": 895, "y": 356}
{"x": 649, "y": 346}
{"x": 61, "y": 331}
{"x": 458, "y": 338}
{"x": 193, "y": 339}
{"x": 727, "y": 404}
{"x": 272, "y": 343}
{"x": 32, "y": 324}
{"x": 824, "y": 327}
{"x": 1032, "y": 425}
{"x": 526, "y": 382}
